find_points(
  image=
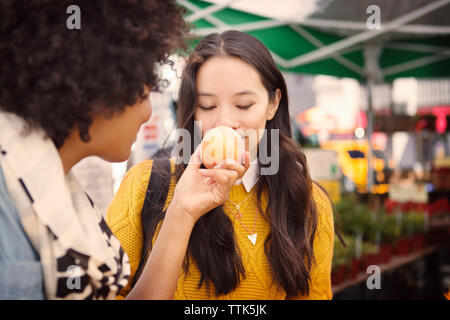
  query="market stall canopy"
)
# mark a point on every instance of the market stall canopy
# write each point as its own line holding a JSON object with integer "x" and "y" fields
{"x": 373, "y": 41}
{"x": 382, "y": 40}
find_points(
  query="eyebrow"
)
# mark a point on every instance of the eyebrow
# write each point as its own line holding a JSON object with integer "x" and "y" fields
{"x": 206, "y": 94}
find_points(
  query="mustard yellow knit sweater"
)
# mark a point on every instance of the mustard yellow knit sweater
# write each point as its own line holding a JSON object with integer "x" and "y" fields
{"x": 124, "y": 218}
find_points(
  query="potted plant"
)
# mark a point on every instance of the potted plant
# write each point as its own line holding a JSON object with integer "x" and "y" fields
{"x": 389, "y": 235}
{"x": 403, "y": 246}
{"x": 417, "y": 222}
{"x": 339, "y": 263}
{"x": 354, "y": 259}
{"x": 370, "y": 255}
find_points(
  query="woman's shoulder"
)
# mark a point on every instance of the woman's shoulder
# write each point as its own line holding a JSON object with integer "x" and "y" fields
{"x": 319, "y": 195}
{"x": 139, "y": 173}
{"x": 125, "y": 209}
{"x": 137, "y": 179}
{"x": 129, "y": 198}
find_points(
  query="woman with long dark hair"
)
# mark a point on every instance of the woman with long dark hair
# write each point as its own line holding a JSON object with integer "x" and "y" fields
{"x": 271, "y": 236}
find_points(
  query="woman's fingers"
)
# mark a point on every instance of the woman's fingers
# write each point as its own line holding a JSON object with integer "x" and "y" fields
{"x": 228, "y": 171}
{"x": 220, "y": 176}
{"x": 236, "y": 166}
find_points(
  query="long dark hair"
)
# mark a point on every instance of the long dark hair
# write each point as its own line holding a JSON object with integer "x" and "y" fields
{"x": 291, "y": 211}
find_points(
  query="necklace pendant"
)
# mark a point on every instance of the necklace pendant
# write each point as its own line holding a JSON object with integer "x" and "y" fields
{"x": 252, "y": 238}
{"x": 238, "y": 207}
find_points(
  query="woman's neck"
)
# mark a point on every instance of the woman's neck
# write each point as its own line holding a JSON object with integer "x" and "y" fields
{"x": 72, "y": 151}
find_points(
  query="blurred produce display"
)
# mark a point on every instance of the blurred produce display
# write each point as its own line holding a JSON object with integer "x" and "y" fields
{"x": 374, "y": 234}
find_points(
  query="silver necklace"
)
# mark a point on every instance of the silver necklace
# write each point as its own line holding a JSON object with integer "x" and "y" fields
{"x": 250, "y": 235}
{"x": 238, "y": 205}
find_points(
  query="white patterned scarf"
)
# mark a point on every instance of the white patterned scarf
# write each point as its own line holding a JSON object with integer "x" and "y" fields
{"x": 80, "y": 257}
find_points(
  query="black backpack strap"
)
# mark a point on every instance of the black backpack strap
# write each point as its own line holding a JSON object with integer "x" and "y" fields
{"x": 152, "y": 210}
{"x": 158, "y": 185}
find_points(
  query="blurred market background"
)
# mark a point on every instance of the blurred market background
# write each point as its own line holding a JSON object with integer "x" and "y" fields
{"x": 369, "y": 91}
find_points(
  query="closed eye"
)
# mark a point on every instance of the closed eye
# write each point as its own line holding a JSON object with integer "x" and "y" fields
{"x": 206, "y": 108}
{"x": 244, "y": 107}
{"x": 213, "y": 107}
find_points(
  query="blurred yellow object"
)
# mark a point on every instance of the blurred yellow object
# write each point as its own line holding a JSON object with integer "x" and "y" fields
{"x": 352, "y": 157}
{"x": 441, "y": 163}
{"x": 324, "y": 169}
{"x": 380, "y": 188}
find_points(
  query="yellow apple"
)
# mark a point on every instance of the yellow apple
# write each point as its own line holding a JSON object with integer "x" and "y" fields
{"x": 221, "y": 143}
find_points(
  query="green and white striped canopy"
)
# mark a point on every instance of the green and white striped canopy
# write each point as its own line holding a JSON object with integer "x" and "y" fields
{"x": 413, "y": 39}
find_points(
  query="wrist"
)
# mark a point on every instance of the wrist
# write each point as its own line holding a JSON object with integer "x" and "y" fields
{"x": 177, "y": 211}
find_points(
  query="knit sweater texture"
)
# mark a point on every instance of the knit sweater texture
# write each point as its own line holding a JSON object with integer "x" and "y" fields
{"x": 124, "y": 218}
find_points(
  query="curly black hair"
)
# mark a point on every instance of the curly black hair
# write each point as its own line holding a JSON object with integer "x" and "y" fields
{"x": 58, "y": 79}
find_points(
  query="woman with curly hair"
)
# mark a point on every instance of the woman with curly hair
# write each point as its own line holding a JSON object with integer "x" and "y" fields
{"x": 65, "y": 95}
{"x": 270, "y": 236}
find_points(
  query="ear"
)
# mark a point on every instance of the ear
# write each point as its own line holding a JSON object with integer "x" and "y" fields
{"x": 273, "y": 106}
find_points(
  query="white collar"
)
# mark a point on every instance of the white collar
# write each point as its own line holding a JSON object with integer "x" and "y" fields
{"x": 250, "y": 177}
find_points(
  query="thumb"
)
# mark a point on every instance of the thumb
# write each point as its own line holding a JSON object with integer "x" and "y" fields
{"x": 196, "y": 158}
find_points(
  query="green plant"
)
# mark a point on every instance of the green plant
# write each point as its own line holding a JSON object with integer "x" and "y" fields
{"x": 342, "y": 255}
{"x": 369, "y": 248}
{"x": 414, "y": 223}
{"x": 352, "y": 215}
{"x": 390, "y": 229}
{"x": 372, "y": 226}
{"x": 358, "y": 218}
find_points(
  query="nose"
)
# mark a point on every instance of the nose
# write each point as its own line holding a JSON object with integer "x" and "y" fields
{"x": 226, "y": 119}
{"x": 232, "y": 124}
